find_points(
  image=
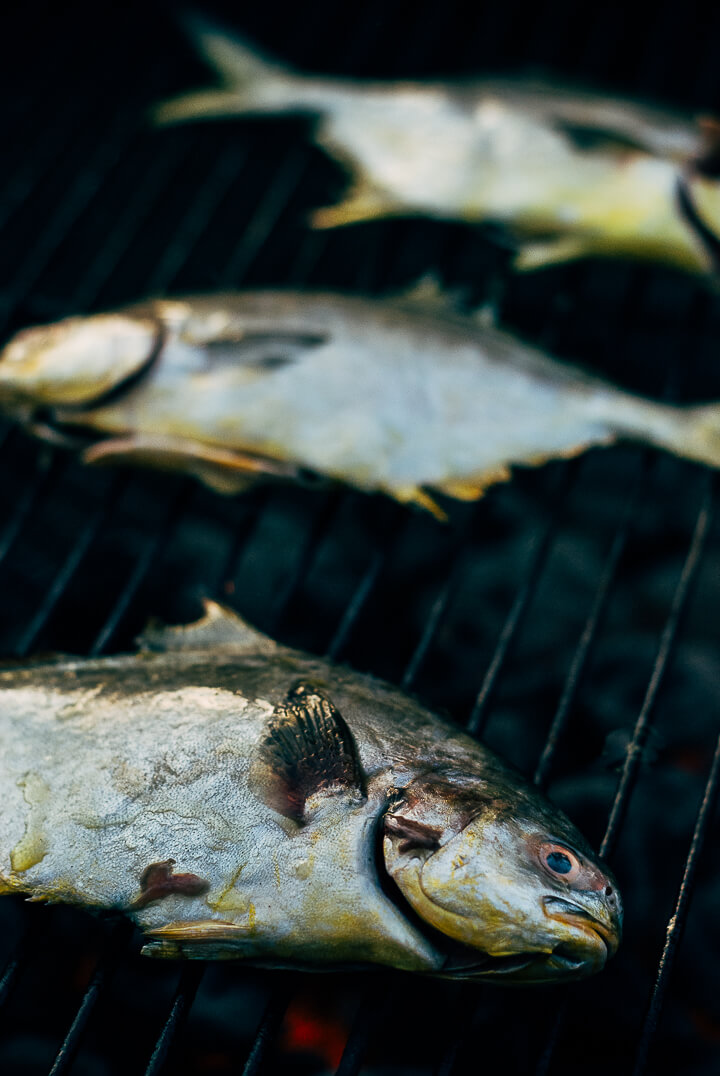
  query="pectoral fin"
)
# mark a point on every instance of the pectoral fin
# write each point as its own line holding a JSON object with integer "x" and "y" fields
{"x": 308, "y": 750}
{"x": 224, "y": 470}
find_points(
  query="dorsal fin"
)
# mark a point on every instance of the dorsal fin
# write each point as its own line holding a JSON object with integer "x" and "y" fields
{"x": 427, "y": 294}
{"x": 309, "y": 749}
{"x": 219, "y": 629}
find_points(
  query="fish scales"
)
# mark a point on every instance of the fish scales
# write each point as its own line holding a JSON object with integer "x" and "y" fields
{"x": 404, "y": 396}
{"x": 159, "y": 785}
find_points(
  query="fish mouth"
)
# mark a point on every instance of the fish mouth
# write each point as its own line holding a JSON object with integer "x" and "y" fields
{"x": 605, "y": 925}
{"x": 595, "y": 939}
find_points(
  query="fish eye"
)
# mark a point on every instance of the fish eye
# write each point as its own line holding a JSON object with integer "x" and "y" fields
{"x": 560, "y": 861}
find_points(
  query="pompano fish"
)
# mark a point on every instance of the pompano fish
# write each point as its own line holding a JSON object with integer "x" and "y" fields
{"x": 239, "y": 799}
{"x": 384, "y": 395}
{"x": 569, "y": 173}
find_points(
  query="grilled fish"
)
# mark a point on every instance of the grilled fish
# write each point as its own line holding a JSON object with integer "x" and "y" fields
{"x": 568, "y": 173}
{"x": 238, "y": 799}
{"x": 382, "y": 395}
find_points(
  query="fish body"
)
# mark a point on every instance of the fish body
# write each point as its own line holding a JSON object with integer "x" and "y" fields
{"x": 569, "y": 173}
{"x": 241, "y": 800}
{"x": 398, "y": 396}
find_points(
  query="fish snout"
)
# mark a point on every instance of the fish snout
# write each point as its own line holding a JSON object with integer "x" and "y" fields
{"x": 598, "y": 917}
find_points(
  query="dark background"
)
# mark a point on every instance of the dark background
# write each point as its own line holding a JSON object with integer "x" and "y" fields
{"x": 567, "y": 592}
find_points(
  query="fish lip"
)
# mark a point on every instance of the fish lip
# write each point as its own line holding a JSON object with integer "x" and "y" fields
{"x": 567, "y": 911}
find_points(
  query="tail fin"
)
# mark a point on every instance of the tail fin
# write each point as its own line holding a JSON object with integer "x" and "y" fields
{"x": 249, "y": 82}
{"x": 698, "y": 434}
{"x": 692, "y": 433}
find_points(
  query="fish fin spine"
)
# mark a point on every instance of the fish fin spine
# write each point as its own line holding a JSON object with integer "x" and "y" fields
{"x": 308, "y": 749}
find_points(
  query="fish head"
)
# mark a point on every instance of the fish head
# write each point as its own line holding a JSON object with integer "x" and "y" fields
{"x": 76, "y": 361}
{"x": 506, "y": 877}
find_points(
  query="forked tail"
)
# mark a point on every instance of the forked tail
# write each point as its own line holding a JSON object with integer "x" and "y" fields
{"x": 249, "y": 82}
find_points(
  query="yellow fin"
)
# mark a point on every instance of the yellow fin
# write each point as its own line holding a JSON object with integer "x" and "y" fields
{"x": 471, "y": 489}
{"x": 223, "y": 470}
{"x": 416, "y": 495}
{"x": 362, "y": 203}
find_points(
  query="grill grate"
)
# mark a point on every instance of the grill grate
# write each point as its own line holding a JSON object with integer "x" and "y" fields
{"x": 96, "y": 208}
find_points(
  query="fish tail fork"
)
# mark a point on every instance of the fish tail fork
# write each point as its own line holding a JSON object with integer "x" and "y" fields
{"x": 249, "y": 82}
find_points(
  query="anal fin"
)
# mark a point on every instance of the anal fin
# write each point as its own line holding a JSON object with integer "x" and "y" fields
{"x": 226, "y": 471}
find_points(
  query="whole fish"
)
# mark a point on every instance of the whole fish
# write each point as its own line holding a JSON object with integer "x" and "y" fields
{"x": 239, "y": 799}
{"x": 383, "y": 395}
{"x": 568, "y": 173}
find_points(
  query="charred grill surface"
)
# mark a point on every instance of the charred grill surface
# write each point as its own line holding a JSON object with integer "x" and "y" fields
{"x": 571, "y": 616}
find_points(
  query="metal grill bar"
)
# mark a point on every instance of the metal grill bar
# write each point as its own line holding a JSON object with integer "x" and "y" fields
{"x": 105, "y": 968}
{"x": 137, "y": 206}
{"x": 320, "y": 524}
{"x": 634, "y": 751}
{"x": 538, "y": 555}
{"x": 589, "y": 632}
{"x": 217, "y": 183}
{"x": 80, "y": 194}
{"x": 676, "y": 923}
{"x": 667, "y": 643}
{"x": 190, "y": 977}
{"x": 369, "y": 1014}
{"x": 153, "y": 547}
{"x": 269, "y": 1026}
{"x": 67, "y": 571}
{"x": 48, "y": 467}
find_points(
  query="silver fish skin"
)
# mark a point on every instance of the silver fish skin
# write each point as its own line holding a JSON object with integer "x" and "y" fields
{"x": 240, "y": 800}
{"x": 569, "y": 173}
{"x": 404, "y": 396}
